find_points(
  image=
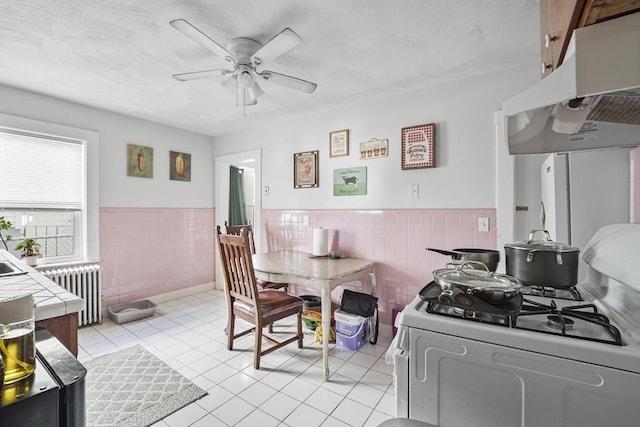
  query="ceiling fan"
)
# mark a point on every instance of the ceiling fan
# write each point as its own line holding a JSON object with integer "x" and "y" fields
{"x": 245, "y": 54}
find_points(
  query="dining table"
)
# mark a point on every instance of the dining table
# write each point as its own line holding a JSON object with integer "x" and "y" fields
{"x": 316, "y": 272}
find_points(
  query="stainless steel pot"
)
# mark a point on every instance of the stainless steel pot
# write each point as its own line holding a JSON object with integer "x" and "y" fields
{"x": 489, "y": 257}
{"x": 487, "y": 286}
{"x": 542, "y": 262}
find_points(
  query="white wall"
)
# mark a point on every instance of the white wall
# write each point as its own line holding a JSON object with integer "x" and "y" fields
{"x": 465, "y": 147}
{"x": 116, "y": 188}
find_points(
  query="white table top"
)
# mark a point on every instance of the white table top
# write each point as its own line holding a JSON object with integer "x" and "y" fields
{"x": 302, "y": 265}
{"x": 51, "y": 299}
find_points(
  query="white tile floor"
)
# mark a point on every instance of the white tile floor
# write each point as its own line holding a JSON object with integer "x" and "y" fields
{"x": 289, "y": 389}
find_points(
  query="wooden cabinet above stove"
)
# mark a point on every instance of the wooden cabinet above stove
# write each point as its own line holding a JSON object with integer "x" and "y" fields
{"x": 558, "y": 19}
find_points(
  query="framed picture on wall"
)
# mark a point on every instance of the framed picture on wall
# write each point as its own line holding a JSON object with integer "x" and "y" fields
{"x": 305, "y": 169}
{"x": 139, "y": 161}
{"x": 374, "y": 148}
{"x": 179, "y": 166}
{"x": 419, "y": 146}
{"x": 350, "y": 181}
{"x": 339, "y": 143}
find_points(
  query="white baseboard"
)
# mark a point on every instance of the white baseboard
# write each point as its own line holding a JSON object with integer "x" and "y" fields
{"x": 156, "y": 299}
{"x": 182, "y": 293}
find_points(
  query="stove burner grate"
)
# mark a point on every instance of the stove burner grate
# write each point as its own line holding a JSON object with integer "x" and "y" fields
{"x": 564, "y": 322}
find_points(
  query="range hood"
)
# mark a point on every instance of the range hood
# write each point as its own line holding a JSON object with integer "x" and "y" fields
{"x": 591, "y": 101}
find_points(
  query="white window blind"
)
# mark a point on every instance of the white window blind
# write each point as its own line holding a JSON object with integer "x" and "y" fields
{"x": 40, "y": 171}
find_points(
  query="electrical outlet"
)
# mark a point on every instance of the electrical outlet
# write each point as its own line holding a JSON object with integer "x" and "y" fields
{"x": 305, "y": 220}
{"x": 483, "y": 224}
{"x": 414, "y": 191}
{"x": 265, "y": 190}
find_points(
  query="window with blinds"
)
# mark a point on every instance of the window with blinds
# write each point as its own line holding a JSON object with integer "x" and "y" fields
{"x": 43, "y": 190}
{"x": 40, "y": 171}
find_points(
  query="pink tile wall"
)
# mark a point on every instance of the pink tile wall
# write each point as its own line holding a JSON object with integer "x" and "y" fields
{"x": 394, "y": 239}
{"x": 151, "y": 251}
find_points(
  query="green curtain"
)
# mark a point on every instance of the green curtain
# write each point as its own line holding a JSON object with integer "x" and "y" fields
{"x": 237, "y": 211}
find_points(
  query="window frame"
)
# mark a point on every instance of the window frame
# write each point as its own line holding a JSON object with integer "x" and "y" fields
{"x": 89, "y": 224}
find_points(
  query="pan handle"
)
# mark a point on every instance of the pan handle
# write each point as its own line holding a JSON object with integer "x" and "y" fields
{"x": 448, "y": 296}
{"x": 456, "y": 255}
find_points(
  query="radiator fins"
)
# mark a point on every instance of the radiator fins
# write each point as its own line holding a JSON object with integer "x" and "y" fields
{"x": 85, "y": 282}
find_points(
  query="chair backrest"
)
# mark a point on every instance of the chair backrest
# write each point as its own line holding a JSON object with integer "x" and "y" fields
{"x": 235, "y": 229}
{"x": 237, "y": 265}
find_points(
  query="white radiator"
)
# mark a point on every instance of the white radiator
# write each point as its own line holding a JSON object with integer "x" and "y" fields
{"x": 85, "y": 282}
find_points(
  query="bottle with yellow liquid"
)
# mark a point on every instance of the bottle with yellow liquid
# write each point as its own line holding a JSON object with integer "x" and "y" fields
{"x": 17, "y": 337}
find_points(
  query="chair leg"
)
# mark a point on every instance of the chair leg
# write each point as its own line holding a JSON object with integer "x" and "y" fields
{"x": 258, "y": 347}
{"x": 230, "y": 330}
{"x": 299, "y": 317}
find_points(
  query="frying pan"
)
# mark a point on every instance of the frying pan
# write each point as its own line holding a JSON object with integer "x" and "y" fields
{"x": 489, "y": 257}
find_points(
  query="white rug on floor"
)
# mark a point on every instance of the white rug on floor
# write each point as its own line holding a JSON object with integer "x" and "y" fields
{"x": 134, "y": 388}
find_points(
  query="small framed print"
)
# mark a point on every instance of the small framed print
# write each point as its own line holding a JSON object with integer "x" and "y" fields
{"x": 350, "y": 181}
{"x": 139, "y": 161}
{"x": 374, "y": 148}
{"x": 179, "y": 166}
{"x": 418, "y": 146}
{"x": 339, "y": 143}
{"x": 305, "y": 169}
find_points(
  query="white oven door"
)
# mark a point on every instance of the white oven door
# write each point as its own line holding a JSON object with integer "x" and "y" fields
{"x": 457, "y": 382}
{"x": 398, "y": 355}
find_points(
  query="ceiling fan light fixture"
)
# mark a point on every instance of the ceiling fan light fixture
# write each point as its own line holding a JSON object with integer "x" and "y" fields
{"x": 245, "y": 77}
{"x": 255, "y": 91}
{"x": 245, "y": 99}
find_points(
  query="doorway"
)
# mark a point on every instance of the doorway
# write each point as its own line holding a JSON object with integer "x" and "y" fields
{"x": 247, "y": 159}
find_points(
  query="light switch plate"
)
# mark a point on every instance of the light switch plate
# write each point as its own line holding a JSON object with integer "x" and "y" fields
{"x": 265, "y": 190}
{"x": 414, "y": 190}
{"x": 483, "y": 224}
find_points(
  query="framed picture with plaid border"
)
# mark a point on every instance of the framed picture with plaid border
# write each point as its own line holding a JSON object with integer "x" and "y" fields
{"x": 419, "y": 146}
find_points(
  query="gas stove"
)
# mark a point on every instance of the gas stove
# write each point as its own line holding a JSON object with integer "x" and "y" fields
{"x": 530, "y": 361}
{"x": 544, "y": 357}
{"x": 557, "y": 316}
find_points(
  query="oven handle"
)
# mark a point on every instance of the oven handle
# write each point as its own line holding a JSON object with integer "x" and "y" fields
{"x": 399, "y": 344}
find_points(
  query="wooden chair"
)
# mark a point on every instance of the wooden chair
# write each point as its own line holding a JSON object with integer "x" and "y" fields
{"x": 235, "y": 229}
{"x": 244, "y": 300}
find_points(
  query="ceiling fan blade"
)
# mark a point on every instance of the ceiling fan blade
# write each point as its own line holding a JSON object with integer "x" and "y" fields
{"x": 183, "y": 77}
{"x": 282, "y": 42}
{"x": 288, "y": 81}
{"x": 200, "y": 37}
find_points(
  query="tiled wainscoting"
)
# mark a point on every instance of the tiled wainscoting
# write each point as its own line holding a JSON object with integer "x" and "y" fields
{"x": 395, "y": 239}
{"x": 153, "y": 251}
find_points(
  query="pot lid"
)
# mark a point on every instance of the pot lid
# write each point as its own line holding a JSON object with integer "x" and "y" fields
{"x": 465, "y": 275}
{"x": 541, "y": 245}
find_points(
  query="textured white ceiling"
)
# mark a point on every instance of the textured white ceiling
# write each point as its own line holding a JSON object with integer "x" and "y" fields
{"x": 119, "y": 55}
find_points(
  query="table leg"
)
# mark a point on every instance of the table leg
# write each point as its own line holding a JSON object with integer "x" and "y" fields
{"x": 325, "y": 297}
{"x": 374, "y": 286}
